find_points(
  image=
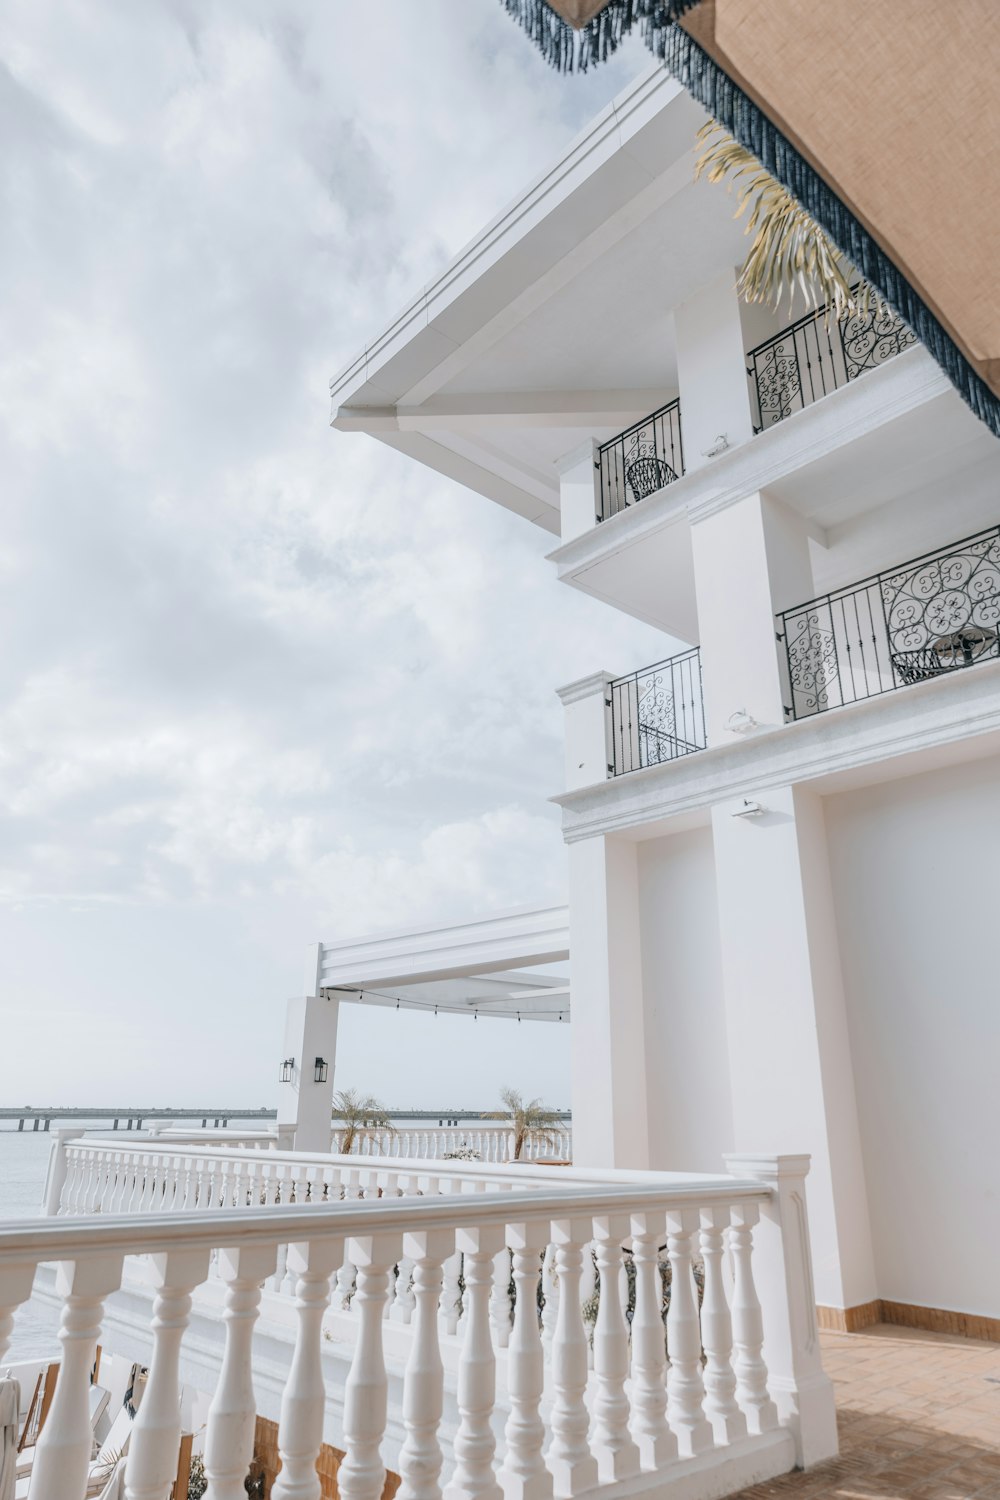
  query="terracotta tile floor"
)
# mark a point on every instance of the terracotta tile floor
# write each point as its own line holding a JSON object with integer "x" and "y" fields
{"x": 919, "y": 1419}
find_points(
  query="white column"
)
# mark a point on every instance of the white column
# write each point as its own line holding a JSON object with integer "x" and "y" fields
{"x": 711, "y": 370}
{"x": 232, "y": 1414}
{"x": 685, "y": 1387}
{"x": 728, "y": 1422}
{"x": 473, "y": 1477}
{"x": 304, "y": 1104}
{"x": 56, "y": 1175}
{"x": 156, "y": 1433}
{"x": 300, "y": 1429}
{"x": 782, "y": 1263}
{"x": 62, "y": 1457}
{"x": 792, "y": 1075}
{"x": 578, "y": 491}
{"x": 751, "y": 559}
{"x": 586, "y": 724}
{"x": 607, "y": 1037}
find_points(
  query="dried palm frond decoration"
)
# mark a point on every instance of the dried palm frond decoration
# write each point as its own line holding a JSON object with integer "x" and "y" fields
{"x": 790, "y": 250}
{"x": 574, "y": 35}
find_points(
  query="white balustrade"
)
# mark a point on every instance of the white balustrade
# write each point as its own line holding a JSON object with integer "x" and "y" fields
{"x": 676, "y": 1402}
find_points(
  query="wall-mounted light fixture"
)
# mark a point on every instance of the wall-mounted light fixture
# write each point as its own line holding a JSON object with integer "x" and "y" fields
{"x": 287, "y": 1069}
{"x": 748, "y": 809}
{"x": 320, "y": 1070}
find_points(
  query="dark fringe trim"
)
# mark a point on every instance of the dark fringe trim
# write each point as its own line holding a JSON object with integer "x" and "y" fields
{"x": 569, "y": 51}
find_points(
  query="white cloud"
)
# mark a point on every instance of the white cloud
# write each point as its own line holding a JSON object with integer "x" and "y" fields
{"x": 252, "y": 666}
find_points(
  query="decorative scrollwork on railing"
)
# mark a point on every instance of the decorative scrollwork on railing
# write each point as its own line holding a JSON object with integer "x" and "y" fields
{"x": 812, "y": 661}
{"x": 930, "y": 616}
{"x": 638, "y": 462}
{"x": 779, "y": 382}
{"x": 870, "y": 338}
{"x": 657, "y": 714}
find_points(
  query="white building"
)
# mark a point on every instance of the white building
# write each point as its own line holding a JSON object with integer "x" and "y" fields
{"x": 782, "y": 837}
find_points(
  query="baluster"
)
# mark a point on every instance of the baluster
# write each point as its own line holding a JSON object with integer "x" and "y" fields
{"x": 728, "y": 1422}
{"x": 569, "y": 1458}
{"x": 550, "y": 1298}
{"x": 748, "y": 1326}
{"x": 500, "y": 1299}
{"x": 650, "y": 1429}
{"x": 62, "y": 1455}
{"x": 475, "y": 1444}
{"x": 15, "y": 1287}
{"x": 617, "y": 1454}
{"x": 685, "y": 1387}
{"x": 451, "y": 1295}
{"x": 361, "y": 1475}
{"x": 523, "y": 1475}
{"x": 300, "y": 1428}
{"x": 404, "y": 1299}
{"x": 156, "y": 1432}
{"x": 420, "y": 1457}
{"x": 231, "y": 1416}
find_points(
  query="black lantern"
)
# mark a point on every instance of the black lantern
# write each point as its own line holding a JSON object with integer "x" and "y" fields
{"x": 285, "y": 1076}
{"x": 320, "y": 1070}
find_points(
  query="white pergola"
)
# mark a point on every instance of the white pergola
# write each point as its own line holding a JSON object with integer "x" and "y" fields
{"x": 478, "y": 968}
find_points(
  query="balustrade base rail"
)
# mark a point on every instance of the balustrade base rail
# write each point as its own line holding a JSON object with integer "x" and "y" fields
{"x": 627, "y": 1305}
{"x": 929, "y": 616}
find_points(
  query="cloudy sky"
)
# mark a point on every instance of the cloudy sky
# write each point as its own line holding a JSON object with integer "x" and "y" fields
{"x": 261, "y": 683}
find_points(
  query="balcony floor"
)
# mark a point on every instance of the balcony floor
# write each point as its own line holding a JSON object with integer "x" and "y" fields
{"x": 919, "y": 1418}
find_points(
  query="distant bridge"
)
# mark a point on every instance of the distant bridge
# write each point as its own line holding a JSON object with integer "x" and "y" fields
{"x": 133, "y": 1118}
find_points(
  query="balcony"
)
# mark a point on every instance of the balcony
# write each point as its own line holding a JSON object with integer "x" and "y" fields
{"x": 638, "y": 462}
{"x": 816, "y": 355}
{"x": 933, "y": 615}
{"x": 546, "y": 1329}
{"x": 656, "y": 714}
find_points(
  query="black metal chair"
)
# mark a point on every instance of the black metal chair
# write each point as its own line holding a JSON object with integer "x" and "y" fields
{"x": 647, "y": 474}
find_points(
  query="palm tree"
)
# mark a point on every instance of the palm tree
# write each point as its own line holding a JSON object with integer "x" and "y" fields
{"x": 362, "y": 1116}
{"x": 531, "y": 1121}
{"x": 790, "y": 249}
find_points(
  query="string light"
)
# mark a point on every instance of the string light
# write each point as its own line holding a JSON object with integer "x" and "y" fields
{"x": 448, "y": 1010}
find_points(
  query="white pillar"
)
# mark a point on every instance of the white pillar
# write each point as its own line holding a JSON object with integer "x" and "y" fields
{"x": 711, "y": 370}
{"x": 588, "y": 751}
{"x": 607, "y": 1037}
{"x": 578, "y": 491}
{"x": 790, "y": 1062}
{"x": 303, "y": 1104}
{"x": 750, "y": 560}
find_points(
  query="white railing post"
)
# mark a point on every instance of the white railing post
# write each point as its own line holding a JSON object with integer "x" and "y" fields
{"x": 420, "y": 1458}
{"x": 569, "y": 1458}
{"x": 523, "y": 1475}
{"x": 650, "y": 1429}
{"x": 16, "y": 1282}
{"x": 156, "y": 1433}
{"x": 55, "y": 1177}
{"x": 473, "y": 1477}
{"x": 361, "y": 1475}
{"x": 616, "y": 1452}
{"x": 782, "y": 1263}
{"x": 300, "y": 1428}
{"x": 231, "y": 1416}
{"x": 62, "y": 1457}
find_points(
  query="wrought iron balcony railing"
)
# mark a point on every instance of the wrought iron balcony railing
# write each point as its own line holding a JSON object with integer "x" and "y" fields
{"x": 640, "y": 461}
{"x": 657, "y": 714}
{"x": 929, "y": 616}
{"x": 817, "y": 354}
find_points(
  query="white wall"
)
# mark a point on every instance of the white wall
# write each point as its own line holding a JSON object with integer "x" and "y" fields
{"x": 917, "y": 891}
{"x": 687, "y": 1071}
